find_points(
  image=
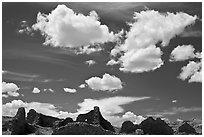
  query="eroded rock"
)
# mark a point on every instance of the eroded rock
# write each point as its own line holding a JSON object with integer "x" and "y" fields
{"x": 187, "y": 128}
{"x": 81, "y": 128}
{"x": 155, "y": 127}
{"x": 95, "y": 117}
{"x": 35, "y": 118}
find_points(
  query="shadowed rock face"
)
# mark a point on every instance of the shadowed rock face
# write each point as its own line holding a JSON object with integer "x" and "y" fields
{"x": 155, "y": 127}
{"x": 186, "y": 128}
{"x": 39, "y": 119}
{"x": 19, "y": 124}
{"x": 81, "y": 128}
{"x": 95, "y": 117}
{"x": 128, "y": 127}
{"x": 62, "y": 122}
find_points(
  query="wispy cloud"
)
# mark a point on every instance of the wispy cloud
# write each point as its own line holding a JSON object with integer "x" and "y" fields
{"x": 25, "y": 77}
{"x": 177, "y": 110}
{"x": 191, "y": 33}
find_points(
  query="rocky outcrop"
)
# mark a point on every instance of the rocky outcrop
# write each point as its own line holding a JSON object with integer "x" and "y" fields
{"x": 186, "y": 128}
{"x": 6, "y": 123}
{"x": 35, "y": 118}
{"x": 155, "y": 127}
{"x": 19, "y": 124}
{"x": 128, "y": 127}
{"x": 61, "y": 123}
{"x": 81, "y": 128}
{"x": 95, "y": 117}
{"x": 139, "y": 132}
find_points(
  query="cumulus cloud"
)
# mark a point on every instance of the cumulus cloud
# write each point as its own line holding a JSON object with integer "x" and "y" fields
{"x": 174, "y": 101}
{"x": 106, "y": 83}
{"x": 9, "y": 89}
{"x": 127, "y": 116}
{"x": 82, "y": 86}
{"x": 70, "y": 90}
{"x": 192, "y": 72}
{"x": 183, "y": 52}
{"x": 108, "y": 106}
{"x": 90, "y": 62}
{"x": 112, "y": 62}
{"x": 65, "y": 28}
{"x": 25, "y": 28}
{"x": 151, "y": 30}
{"x": 36, "y": 90}
{"x": 10, "y": 109}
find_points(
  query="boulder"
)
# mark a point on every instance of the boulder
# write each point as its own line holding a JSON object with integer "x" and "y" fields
{"x": 35, "y": 118}
{"x": 19, "y": 124}
{"x": 128, "y": 127}
{"x": 81, "y": 128}
{"x": 186, "y": 128}
{"x": 155, "y": 127}
{"x": 95, "y": 117}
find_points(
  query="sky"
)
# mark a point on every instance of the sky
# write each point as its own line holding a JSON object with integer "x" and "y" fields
{"x": 133, "y": 60}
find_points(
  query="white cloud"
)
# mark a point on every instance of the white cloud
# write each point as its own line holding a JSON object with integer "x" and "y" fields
{"x": 192, "y": 33}
{"x": 127, "y": 116}
{"x": 183, "y": 52}
{"x": 108, "y": 106}
{"x": 65, "y": 28}
{"x": 25, "y": 28}
{"x": 192, "y": 71}
{"x": 9, "y": 89}
{"x": 4, "y": 71}
{"x": 70, "y": 90}
{"x": 145, "y": 59}
{"x": 150, "y": 28}
{"x": 36, "y": 90}
{"x": 106, "y": 83}
{"x": 112, "y": 62}
{"x": 49, "y": 89}
{"x": 5, "y": 96}
{"x": 82, "y": 86}
{"x": 90, "y": 62}
{"x": 177, "y": 110}
{"x": 10, "y": 109}
{"x": 174, "y": 101}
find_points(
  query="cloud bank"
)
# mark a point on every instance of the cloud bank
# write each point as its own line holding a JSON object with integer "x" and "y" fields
{"x": 150, "y": 31}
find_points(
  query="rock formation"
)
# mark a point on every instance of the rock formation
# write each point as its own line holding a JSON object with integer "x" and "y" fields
{"x": 35, "y": 118}
{"x": 62, "y": 122}
{"x": 186, "y": 128}
{"x": 19, "y": 124}
{"x": 155, "y": 127}
{"x": 95, "y": 117}
{"x": 128, "y": 127}
{"x": 139, "y": 132}
{"x": 81, "y": 128}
